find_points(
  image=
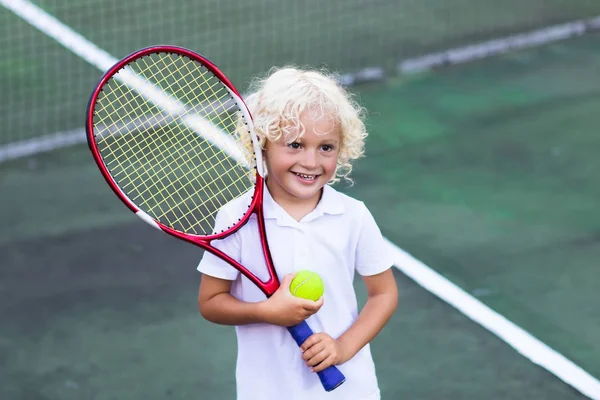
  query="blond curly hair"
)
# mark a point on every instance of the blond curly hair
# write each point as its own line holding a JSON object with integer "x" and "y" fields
{"x": 277, "y": 101}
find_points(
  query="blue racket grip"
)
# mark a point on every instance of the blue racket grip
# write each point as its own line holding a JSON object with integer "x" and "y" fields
{"x": 331, "y": 377}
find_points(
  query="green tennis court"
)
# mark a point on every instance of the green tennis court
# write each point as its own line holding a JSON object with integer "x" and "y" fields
{"x": 487, "y": 172}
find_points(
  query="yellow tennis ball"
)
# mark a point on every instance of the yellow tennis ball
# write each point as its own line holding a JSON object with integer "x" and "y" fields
{"x": 307, "y": 285}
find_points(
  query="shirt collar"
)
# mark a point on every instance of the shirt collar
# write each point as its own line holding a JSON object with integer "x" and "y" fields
{"x": 330, "y": 203}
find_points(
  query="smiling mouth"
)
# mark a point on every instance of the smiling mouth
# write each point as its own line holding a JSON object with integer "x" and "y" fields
{"x": 306, "y": 177}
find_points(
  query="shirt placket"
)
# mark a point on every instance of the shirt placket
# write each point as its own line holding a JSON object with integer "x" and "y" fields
{"x": 301, "y": 249}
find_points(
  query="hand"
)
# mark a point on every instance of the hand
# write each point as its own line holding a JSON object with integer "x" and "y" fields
{"x": 322, "y": 351}
{"x": 284, "y": 309}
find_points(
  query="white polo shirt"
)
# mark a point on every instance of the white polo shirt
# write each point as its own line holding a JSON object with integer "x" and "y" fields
{"x": 336, "y": 239}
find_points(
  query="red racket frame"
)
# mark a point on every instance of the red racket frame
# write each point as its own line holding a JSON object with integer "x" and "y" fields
{"x": 331, "y": 377}
{"x": 269, "y": 287}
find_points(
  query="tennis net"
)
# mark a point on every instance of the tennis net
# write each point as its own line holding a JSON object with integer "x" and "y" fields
{"x": 45, "y": 87}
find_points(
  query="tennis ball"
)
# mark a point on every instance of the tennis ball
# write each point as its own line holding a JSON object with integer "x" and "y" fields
{"x": 307, "y": 285}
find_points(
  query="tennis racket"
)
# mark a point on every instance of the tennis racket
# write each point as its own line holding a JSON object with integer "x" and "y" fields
{"x": 175, "y": 142}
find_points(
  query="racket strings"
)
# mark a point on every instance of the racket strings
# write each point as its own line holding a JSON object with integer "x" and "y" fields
{"x": 142, "y": 194}
{"x": 177, "y": 155}
{"x": 185, "y": 96}
{"x": 210, "y": 199}
{"x": 147, "y": 193}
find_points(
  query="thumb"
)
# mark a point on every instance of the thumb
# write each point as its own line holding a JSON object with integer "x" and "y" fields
{"x": 287, "y": 280}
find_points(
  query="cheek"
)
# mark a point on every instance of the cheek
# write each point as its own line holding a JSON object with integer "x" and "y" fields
{"x": 330, "y": 163}
{"x": 278, "y": 162}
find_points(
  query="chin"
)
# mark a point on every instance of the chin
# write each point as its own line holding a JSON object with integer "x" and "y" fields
{"x": 308, "y": 196}
{"x": 306, "y": 192}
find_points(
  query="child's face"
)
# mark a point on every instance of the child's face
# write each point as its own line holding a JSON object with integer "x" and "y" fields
{"x": 297, "y": 171}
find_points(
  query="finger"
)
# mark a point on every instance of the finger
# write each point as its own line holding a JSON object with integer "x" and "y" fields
{"x": 320, "y": 302}
{"x": 308, "y": 313}
{"x": 311, "y": 341}
{"x": 287, "y": 281}
{"x": 313, "y": 351}
{"x": 318, "y": 358}
{"x": 328, "y": 362}
{"x": 309, "y": 305}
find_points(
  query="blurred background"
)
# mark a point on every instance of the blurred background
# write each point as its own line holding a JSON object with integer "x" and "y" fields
{"x": 481, "y": 163}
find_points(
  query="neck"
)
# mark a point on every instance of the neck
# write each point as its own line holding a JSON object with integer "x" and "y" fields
{"x": 296, "y": 208}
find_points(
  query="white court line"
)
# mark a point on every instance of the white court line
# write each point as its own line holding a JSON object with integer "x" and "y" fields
{"x": 42, "y": 144}
{"x": 516, "y": 337}
{"x": 477, "y": 51}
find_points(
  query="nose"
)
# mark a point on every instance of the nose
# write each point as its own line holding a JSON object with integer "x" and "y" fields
{"x": 309, "y": 159}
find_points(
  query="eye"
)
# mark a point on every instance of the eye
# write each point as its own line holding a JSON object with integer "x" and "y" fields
{"x": 327, "y": 147}
{"x": 294, "y": 145}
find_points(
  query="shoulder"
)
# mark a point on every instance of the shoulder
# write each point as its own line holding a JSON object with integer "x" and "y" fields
{"x": 232, "y": 211}
{"x": 352, "y": 208}
{"x": 240, "y": 204}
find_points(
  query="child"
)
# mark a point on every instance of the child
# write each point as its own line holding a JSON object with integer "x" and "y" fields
{"x": 310, "y": 130}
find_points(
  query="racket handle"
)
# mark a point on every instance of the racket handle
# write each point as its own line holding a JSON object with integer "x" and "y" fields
{"x": 331, "y": 377}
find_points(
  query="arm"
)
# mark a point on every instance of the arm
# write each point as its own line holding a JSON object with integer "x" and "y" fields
{"x": 382, "y": 301}
{"x": 217, "y": 305}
